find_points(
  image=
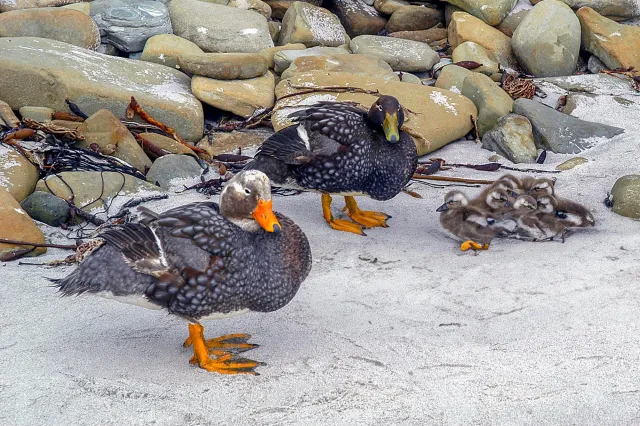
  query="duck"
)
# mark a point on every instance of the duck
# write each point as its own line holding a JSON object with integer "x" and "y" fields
{"x": 200, "y": 261}
{"x": 474, "y": 225}
{"x": 336, "y": 148}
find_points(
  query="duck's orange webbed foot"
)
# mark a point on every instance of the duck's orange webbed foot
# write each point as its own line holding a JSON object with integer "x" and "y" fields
{"x": 473, "y": 246}
{"x": 225, "y": 361}
{"x": 369, "y": 219}
{"x": 338, "y": 224}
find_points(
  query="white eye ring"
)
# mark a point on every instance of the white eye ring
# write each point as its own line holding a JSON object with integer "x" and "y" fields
{"x": 380, "y": 107}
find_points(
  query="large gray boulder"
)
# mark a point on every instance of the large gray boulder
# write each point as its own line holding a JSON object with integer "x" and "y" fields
{"x": 562, "y": 133}
{"x": 37, "y": 71}
{"x": 547, "y": 41}
{"x": 217, "y": 28}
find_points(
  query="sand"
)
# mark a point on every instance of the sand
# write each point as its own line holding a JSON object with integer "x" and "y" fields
{"x": 398, "y": 327}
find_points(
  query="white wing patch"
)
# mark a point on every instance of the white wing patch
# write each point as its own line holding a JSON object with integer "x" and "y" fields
{"x": 304, "y": 136}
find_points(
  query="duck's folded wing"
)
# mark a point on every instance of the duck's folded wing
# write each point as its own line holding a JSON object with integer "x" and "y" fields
{"x": 340, "y": 122}
{"x": 139, "y": 247}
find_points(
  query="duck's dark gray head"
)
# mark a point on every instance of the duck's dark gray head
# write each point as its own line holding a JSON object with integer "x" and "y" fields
{"x": 453, "y": 200}
{"x": 387, "y": 113}
{"x": 246, "y": 201}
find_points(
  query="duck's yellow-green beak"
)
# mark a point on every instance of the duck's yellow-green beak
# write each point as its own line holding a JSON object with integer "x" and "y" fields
{"x": 263, "y": 214}
{"x": 390, "y": 127}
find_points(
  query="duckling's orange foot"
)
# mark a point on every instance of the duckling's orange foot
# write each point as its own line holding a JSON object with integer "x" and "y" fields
{"x": 473, "y": 245}
{"x": 229, "y": 343}
{"x": 224, "y": 362}
{"x": 369, "y": 219}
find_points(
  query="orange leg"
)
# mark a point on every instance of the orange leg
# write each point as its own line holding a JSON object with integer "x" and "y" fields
{"x": 368, "y": 219}
{"x": 473, "y": 245}
{"x": 224, "y": 363}
{"x": 338, "y": 224}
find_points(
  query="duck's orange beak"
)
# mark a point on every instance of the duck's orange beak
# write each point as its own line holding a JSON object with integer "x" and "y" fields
{"x": 263, "y": 214}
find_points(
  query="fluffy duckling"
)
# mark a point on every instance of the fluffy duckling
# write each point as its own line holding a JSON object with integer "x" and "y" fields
{"x": 203, "y": 261}
{"x": 578, "y": 215}
{"x": 470, "y": 223}
{"x": 537, "y": 187}
{"x": 508, "y": 183}
{"x": 497, "y": 202}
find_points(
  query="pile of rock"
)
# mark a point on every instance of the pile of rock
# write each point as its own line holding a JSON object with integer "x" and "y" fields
{"x": 445, "y": 61}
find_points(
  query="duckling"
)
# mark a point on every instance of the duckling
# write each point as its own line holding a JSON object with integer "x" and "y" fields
{"x": 496, "y": 202}
{"x": 508, "y": 183}
{"x": 468, "y": 222}
{"x": 577, "y": 215}
{"x": 537, "y": 187}
{"x": 203, "y": 261}
{"x": 338, "y": 149}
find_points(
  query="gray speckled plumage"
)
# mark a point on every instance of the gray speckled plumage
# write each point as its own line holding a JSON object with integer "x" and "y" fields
{"x": 335, "y": 149}
{"x": 196, "y": 263}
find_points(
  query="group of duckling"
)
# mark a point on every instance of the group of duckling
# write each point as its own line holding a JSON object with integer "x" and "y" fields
{"x": 526, "y": 208}
{"x": 211, "y": 260}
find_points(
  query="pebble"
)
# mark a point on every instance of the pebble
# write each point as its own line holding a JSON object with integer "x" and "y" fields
{"x": 41, "y": 114}
{"x": 509, "y": 24}
{"x": 562, "y": 133}
{"x": 414, "y": 18}
{"x": 241, "y": 97}
{"x": 625, "y": 195}
{"x": 547, "y": 41}
{"x": 595, "y": 65}
{"x": 284, "y": 58}
{"x": 365, "y": 65}
{"x": 425, "y": 36}
{"x": 171, "y": 167}
{"x": 224, "y": 66}
{"x": 570, "y": 164}
{"x": 18, "y": 226}
{"x": 270, "y": 52}
{"x": 613, "y": 9}
{"x": 387, "y": 7}
{"x": 358, "y": 17}
{"x": 217, "y": 28}
{"x": 230, "y": 142}
{"x": 492, "y": 12}
{"x": 17, "y": 175}
{"x": 164, "y": 49}
{"x": 167, "y": 144}
{"x": 402, "y": 55}
{"x": 57, "y": 71}
{"x": 470, "y": 51}
{"x": 452, "y": 77}
{"x": 312, "y": 26}
{"x": 8, "y": 5}
{"x": 512, "y": 138}
{"x": 68, "y": 26}
{"x": 257, "y": 6}
{"x": 280, "y": 7}
{"x": 47, "y": 208}
{"x": 492, "y": 102}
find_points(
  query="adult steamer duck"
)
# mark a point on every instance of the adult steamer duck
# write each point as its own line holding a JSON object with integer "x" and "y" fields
{"x": 203, "y": 261}
{"x": 338, "y": 149}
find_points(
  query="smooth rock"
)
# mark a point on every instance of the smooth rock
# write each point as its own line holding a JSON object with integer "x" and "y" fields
{"x": 625, "y": 195}
{"x": 129, "y": 26}
{"x": 510, "y": 23}
{"x": 425, "y": 36}
{"x": 257, "y": 6}
{"x": 18, "y": 226}
{"x": 407, "y": 77}
{"x": 45, "y": 72}
{"x": 93, "y": 189}
{"x": 617, "y": 45}
{"x": 358, "y": 18}
{"x": 47, "y": 208}
{"x": 8, "y": 5}
{"x": 492, "y": 12}
{"x": 614, "y": 110}
{"x": 436, "y": 116}
{"x": 449, "y": 10}
{"x": 241, "y": 97}
{"x": 217, "y": 28}
{"x": 270, "y": 52}
{"x": 465, "y": 27}
{"x": 512, "y": 137}
{"x": 559, "y": 132}
{"x": 471, "y": 51}
{"x": 280, "y": 7}
{"x": 7, "y": 115}
{"x": 80, "y": 7}
{"x": 452, "y": 78}
{"x": 595, "y": 65}
{"x": 169, "y": 168}
{"x": 107, "y": 49}
{"x": 224, "y": 66}
{"x": 41, "y": 114}
{"x": 17, "y": 174}
{"x": 414, "y": 18}
{"x": 592, "y": 83}
{"x": 570, "y": 164}
{"x": 68, "y": 26}
{"x": 492, "y": 102}
{"x": 548, "y": 47}
{"x": 164, "y": 49}
{"x": 112, "y": 138}
{"x": 364, "y": 65}
{"x": 167, "y": 144}
{"x": 274, "y": 31}
{"x": 283, "y": 59}
{"x": 230, "y": 142}
{"x": 387, "y": 7}
{"x": 312, "y": 26}
{"x": 402, "y": 55}
{"x": 613, "y": 9}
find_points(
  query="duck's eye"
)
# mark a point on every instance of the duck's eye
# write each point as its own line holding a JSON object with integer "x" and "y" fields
{"x": 247, "y": 191}
{"x": 560, "y": 214}
{"x": 380, "y": 107}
